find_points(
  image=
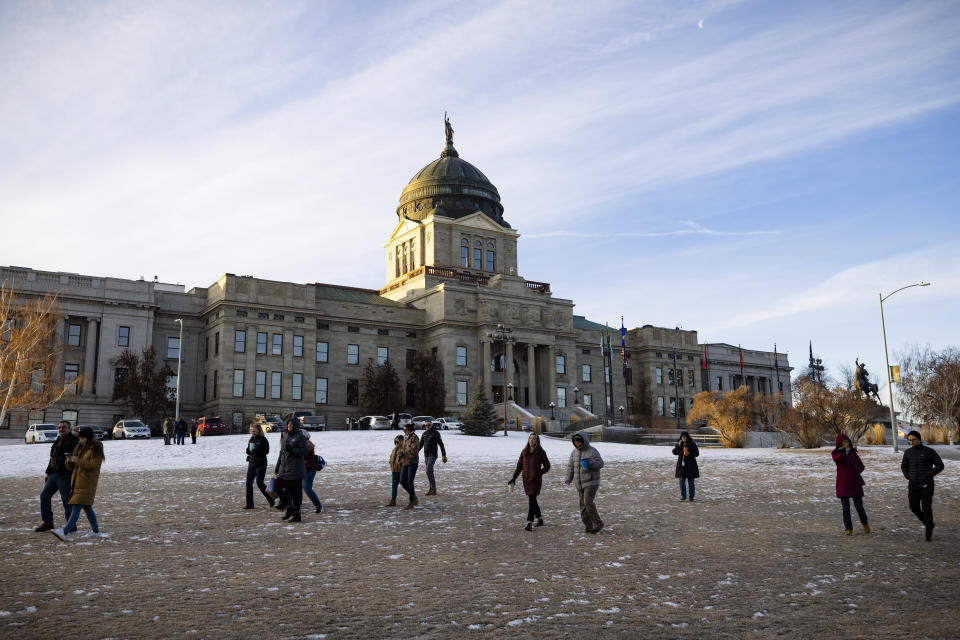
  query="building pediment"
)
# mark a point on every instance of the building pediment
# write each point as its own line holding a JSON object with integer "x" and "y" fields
{"x": 481, "y": 222}
{"x": 403, "y": 227}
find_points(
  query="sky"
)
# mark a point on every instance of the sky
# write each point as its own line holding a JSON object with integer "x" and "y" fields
{"x": 758, "y": 172}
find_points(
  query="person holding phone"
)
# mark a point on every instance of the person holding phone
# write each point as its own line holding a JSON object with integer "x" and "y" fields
{"x": 849, "y": 482}
{"x": 84, "y": 463}
{"x": 583, "y": 470}
{"x": 687, "y": 470}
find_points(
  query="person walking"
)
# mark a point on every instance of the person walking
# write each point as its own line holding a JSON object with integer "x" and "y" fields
{"x": 257, "y": 449}
{"x": 193, "y": 431}
{"x": 310, "y": 466}
{"x": 849, "y": 482}
{"x": 179, "y": 431}
{"x": 533, "y": 463}
{"x": 291, "y": 469}
{"x": 429, "y": 442}
{"x": 84, "y": 463}
{"x": 56, "y": 477}
{"x": 583, "y": 470}
{"x": 167, "y": 431}
{"x": 410, "y": 460}
{"x": 396, "y": 466}
{"x": 687, "y": 470}
{"x": 919, "y": 465}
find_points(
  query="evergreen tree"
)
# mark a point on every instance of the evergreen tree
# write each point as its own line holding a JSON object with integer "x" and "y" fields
{"x": 479, "y": 420}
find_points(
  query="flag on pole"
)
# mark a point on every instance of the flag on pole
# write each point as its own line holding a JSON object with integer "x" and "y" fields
{"x": 704, "y": 361}
{"x": 811, "y": 354}
{"x": 623, "y": 343}
{"x": 741, "y": 359}
{"x": 776, "y": 365}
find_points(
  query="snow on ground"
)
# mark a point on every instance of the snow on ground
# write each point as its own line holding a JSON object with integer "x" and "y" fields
{"x": 373, "y": 447}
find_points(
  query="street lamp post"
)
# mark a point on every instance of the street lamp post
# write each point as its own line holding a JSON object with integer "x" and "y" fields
{"x": 553, "y": 405}
{"x": 506, "y": 398}
{"x": 179, "y": 321}
{"x": 620, "y": 409}
{"x": 576, "y": 397}
{"x": 886, "y": 360}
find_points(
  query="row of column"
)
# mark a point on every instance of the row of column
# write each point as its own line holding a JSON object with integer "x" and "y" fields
{"x": 531, "y": 366}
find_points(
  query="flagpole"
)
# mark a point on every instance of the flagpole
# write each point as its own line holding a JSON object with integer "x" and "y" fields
{"x": 607, "y": 399}
{"x": 676, "y": 389}
{"x": 623, "y": 357}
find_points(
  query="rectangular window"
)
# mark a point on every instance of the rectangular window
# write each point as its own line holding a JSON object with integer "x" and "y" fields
{"x": 323, "y": 325}
{"x": 70, "y": 373}
{"x": 173, "y": 348}
{"x": 261, "y": 384}
{"x": 275, "y": 384}
{"x": 206, "y": 348}
{"x": 461, "y": 393}
{"x": 660, "y": 406}
{"x": 278, "y": 316}
{"x": 561, "y": 397}
{"x": 585, "y": 373}
{"x": 322, "y": 348}
{"x": 628, "y": 375}
{"x": 381, "y": 356}
{"x": 297, "y": 387}
{"x": 673, "y": 407}
{"x": 239, "y": 341}
{"x": 73, "y": 335}
{"x": 123, "y": 337}
{"x": 383, "y": 332}
{"x": 300, "y": 319}
{"x": 606, "y": 373}
{"x": 477, "y": 259}
{"x": 411, "y": 354}
{"x": 216, "y": 343}
{"x": 70, "y": 415}
{"x": 241, "y": 313}
{"x": 353, "y": 329}
{"x": 216, "y": 383}
{"x": 261, "y": 342}
{"x": 690, "y": 378}
{"x": 204, "y": 386}
{"x": 411, "y": 334}
{"x": 561, "y": 364}
{"x": 719, "y": 383}
{"x": 118, "y": 376}
{"x": 297, "y": 346}
{"x": 461, "y": 356}
{"x": 588, "y": 402}
{"x": 353, "y": 392}
{"x": 659, "y": 375}
{"x": 682, "y": 407}
{"x": 464, "y": 257}
{"x": 489, "y": 260}
{"x": 277, "y": 344}
{"x": 263, "y": 315}
{"x": 321, "y": 392}
{"x": 353, "y": 354}
{"x": 238, "y": 383}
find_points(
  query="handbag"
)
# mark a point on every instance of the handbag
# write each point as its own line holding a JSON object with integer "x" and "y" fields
{"x": 861, "y": 480}
{"x": 272, "y": 487}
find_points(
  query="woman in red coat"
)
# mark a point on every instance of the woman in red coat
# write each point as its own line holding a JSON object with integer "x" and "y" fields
{"x": 849, "y": 482}
{"x": 532, "y": 464}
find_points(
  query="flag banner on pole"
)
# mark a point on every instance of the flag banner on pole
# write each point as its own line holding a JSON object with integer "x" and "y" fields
{"x": 623, "y": 342}
{"x": 811, "y": 354}
{"x": 704, "y": 361}
{"x": 776, "y": 365}
{"x": 741, "y": 359}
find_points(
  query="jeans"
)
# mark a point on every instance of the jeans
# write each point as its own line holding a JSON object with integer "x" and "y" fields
{"x": 432, "y": 460}
{"x": 683, "y": 487}
{"x": 533, "y": 510}
{"x": 921, "y": 503}
{"x": 256, "y": 473}
{"x": 396, "y": 483}
{"x": 861, "y": 513}
{"x": 588, "y": 509}
{"x": 308, "y": 488}
{"x": 406, "y": 480}
{"x": 291, "y": 493}
{"x": 75, "y": 515}
{"x": 178, "y": 438}
{"x": 55, "y": 482}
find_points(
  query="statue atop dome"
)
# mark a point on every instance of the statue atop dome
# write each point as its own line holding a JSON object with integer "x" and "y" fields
{"x": 448, "y": 151}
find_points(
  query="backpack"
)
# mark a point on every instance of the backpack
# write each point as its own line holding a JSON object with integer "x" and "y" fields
{"x": 321, "y": 463}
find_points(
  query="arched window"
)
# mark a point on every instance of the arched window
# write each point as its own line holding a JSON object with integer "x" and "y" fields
{"x": 491, "y": 257}
{"x": 477, "y": 254}
{"x": 413, "y": 255}
{"x": 399, "y": 273}
{"x": 464, "y": 253}
{"x": 406, "y": 257}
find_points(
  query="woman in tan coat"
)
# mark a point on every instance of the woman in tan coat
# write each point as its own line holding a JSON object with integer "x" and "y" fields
{"x": 85, "y": 463}
{"x": 396, "y": 466}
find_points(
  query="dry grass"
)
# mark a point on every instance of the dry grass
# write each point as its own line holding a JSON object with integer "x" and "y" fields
{"x": 760, "y": 554}
{"x": 876, "y": 435}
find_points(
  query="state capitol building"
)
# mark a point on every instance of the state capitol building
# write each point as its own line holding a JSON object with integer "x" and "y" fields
{"x": 252, "y": 346}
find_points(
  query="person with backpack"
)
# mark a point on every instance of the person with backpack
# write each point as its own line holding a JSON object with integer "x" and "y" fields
{"x": 533, "y": 463}
{"x": 84, "y": 462}
{"x": 311, "y": 466}
{"x": 849, "y": 482}
{"x": 257, "y": 449}
{"x": 291, "y": 469}
{"x": 687, "y": 469}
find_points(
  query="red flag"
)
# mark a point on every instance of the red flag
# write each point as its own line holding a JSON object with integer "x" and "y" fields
{"x": 704, "y": 361}
{"x": 741, "y": 358}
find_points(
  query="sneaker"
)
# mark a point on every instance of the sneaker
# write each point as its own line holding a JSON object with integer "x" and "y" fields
{"x": 92, "y": 535}
{"x": 46, "y": 526}
{"x": 691, "y": 498}
{"x": 289, "y": 513}
{"x": 296, "y": 517}
{"x": 319, "y": 508}
{"x": 683, "y": 498}
{"x": 249, "y": 506}
{"x": 529, "y": 527}
{"x": 848, "y": 532}
{"x": 866, "y": 528}
{"x": 59, "y": 533}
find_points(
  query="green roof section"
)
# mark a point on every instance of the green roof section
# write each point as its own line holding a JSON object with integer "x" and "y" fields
{"x": 354, "y": 294}
{"x": 580, "y": 322}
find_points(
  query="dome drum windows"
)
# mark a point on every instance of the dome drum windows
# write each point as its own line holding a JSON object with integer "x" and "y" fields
{"x": 406, "y": 258}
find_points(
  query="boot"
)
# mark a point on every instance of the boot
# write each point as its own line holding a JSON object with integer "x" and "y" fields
{"x": 296, "y": 517}
{"x": 529, "y": 527}
{"x": 289, "y": 513}
{"x": 409, "y": 505}
{"x": 866, "y": 528}
{"x": 539, "y": 522}
{"x": 416, "y": 501}
{"x": 432, "y": 492}
{"x": 392, "y": 503}
{"x": 848, "y": 532}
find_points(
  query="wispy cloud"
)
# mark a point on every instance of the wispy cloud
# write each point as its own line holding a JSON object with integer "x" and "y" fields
{"x": 691, "y": 229}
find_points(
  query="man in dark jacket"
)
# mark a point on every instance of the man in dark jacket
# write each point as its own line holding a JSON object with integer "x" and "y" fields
{"x": 291, "y": 468}
{"x": 56, "y": 477}
{"x": 919, "y": 465}
{"x": 429, "y": 442}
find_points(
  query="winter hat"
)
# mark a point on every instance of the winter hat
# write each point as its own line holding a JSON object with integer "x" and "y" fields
{"x": 85, "y": 432}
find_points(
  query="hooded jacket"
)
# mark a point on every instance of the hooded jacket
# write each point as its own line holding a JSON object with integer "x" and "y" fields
{"x": 920, "y": 464}
{"x": 849, "y": 468}
{"x": 410, "y": 450}
{"x": 58, "y": 453}
{"x": 293, "y": 447}
{"x": 86, "y": 472}
{"x": 396, "y": 462}
{"x": 687, "y": 464}
{"x": 589, "y": 477}
{"x": 532, "y": 465}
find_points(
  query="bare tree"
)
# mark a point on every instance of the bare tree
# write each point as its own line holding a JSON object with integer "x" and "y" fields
{"x": 731, "y": 414}
{"x": 30, "y": 354}
{"x": 930, "y": 386}
{"x": 141, "y": 383}
{"x": 820, "y": 411}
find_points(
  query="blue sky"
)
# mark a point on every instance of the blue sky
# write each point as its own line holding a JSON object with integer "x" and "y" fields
{"x": 755, "y": 171}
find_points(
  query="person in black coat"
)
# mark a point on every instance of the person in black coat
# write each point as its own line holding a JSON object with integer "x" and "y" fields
{"x": 687, "y": 469}
{"x": 919, "y": 465}
{"x": 257, "y": 449}
{"x": 56, "y": 477}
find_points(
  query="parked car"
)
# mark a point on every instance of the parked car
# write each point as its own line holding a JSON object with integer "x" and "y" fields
{"x": 40, "y": 433}
{"x": 98, "y": 432}
{"x": 446, "y": 423}
{"x": 130, "y": 429}
{"x": 213, "y": 426}
{"x": 269, "y": 422}
{"x": 421, "y": 422}
{"x": 405, "y": 419}
{"x": 373, "y": 422}
{"x": 314, "y": 423}
{"x": 300, "y": 415}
